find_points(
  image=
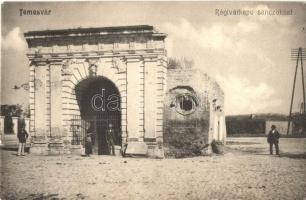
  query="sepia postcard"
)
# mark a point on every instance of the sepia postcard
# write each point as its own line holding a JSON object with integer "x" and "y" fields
{"x": 153, "y": 100}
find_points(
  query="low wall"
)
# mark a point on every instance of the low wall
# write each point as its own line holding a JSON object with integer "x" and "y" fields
{"x": 10, "y": 139}
{"x": 281, "y": 127}
{"x": 185, "y": 138}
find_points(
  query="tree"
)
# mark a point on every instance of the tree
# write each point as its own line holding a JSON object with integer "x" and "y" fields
{"x": 12, "y": 110}
{"x": 181, "y": 63}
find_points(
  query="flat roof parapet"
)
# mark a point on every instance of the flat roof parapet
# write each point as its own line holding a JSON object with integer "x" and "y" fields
{"x": 114, "y": 30}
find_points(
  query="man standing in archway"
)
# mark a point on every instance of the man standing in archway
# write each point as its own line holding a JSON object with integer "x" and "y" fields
{"x": 110, "y": 138}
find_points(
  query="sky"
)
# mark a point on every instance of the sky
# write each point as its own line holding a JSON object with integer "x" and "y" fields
{"x": 249, "y": 56}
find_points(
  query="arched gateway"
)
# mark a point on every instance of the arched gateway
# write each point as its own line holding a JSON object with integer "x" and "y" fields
{"x": 92, "y": 77}
{"x": 99, "y": 102}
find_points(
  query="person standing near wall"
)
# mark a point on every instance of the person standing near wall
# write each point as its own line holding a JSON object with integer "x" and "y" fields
{"x": 22, "y": 135}
{"x": 89, "y": 139}
{"x": 273, "y": 138}
{"x": 110, "y": 138}
{"x": 88, "y": 145}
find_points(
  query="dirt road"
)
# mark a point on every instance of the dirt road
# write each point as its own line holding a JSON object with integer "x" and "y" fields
{"x": 246, "y": 171}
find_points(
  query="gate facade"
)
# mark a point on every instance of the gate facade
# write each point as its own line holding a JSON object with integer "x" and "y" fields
{"x": 132, "y": 58}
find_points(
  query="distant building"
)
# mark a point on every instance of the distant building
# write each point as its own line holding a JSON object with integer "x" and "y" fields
{"x": 260, "y": 124}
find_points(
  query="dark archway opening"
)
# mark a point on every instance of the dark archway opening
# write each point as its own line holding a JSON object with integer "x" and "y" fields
{"x": 99, "y": 102}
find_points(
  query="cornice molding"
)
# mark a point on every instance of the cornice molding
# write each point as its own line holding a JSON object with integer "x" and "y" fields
{"x": 95, "y": 55}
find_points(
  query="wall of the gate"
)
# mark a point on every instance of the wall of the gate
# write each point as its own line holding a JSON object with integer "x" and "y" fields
{"x": 189, "y": 132}
{"x": 137, "y": 65}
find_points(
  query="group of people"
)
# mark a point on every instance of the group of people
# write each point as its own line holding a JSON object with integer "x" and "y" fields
{"x": 272, "y": 138}
{"x": 90, "y": 139}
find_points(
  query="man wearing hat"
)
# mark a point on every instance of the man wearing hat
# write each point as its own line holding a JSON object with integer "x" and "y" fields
{"x": 110, "y": 138}
{"x": 22, "y": 135}
{"x": 273, "y": 138}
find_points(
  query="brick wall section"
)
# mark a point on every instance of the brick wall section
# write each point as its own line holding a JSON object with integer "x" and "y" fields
{"x": 188, "y": 134}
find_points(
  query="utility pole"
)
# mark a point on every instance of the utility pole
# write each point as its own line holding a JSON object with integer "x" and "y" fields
{"x": 299, "y": 56}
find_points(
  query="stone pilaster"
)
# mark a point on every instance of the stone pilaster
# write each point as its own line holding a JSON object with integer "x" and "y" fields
{"x": 1, "y": 128}
{"x": 27, "y": 126}
{"x": 224, "y": 129}
{"x": 150, "y": 64}
{"x": 66, "y": 86}
{"x": 55, "y": 99}
{"x": 161, "y": 74}
{"x": 32, "y": 100}
{"x": 141, "y": 95}
{"x": 48, "y": 101}
{"x": 120, "y": 65}
{"x": 15, "y": 125}
{"x": 40, "y": 87}
{"x": 134, "y": 99}
{"x": 211, "y": 123}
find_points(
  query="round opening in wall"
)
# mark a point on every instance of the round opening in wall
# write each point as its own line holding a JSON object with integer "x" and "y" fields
{"x": 186, "y": 103}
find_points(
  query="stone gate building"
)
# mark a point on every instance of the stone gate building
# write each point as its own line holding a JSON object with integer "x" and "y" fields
{"x": 112, "y": 75}
{"x": 82, "y": 80}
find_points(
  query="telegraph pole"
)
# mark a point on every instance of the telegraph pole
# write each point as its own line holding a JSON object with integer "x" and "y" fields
{"x": 298, "y": 55}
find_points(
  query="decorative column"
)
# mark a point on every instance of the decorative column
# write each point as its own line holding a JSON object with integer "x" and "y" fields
{"x": 150, "y": 64}
{"x": 224, "y": 133}
{"x": 135, "y": 106}
{"x": 134, "y": 99}
{"x": 66, "y": 88}
{"x": 32, "y": 100}
{"x": 120, "y": 64}
{"x": 1, "y": 128}
{"x": 15, "y": 125}
{"x": 160, "y": 90}
{"x": 141, "y": 95}
{"x": 211, "y": 122}
{"x": 221, "y": 128}
{"x": 27, "y": 126}
{"x": 2, "y": 124}
{"x": 55, "y": 98}
{"x": 37, "y": 124}
{"x": 48, "y": 101}
{"x": 41, "y": 82}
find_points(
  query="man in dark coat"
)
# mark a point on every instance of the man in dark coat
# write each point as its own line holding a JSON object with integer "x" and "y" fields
{"x": 89, "y": 139}
{"x": 273, "y": 138}
{"x": 110, "y": 138}
{"x": 22, "y": 136}
{"x": 88, "y": 144}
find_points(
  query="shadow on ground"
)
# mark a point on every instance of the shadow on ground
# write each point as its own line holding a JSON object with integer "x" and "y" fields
{"x": 14, "y": 149}
{"x": 261, "y": 152}
{"x": 240, "y": 143}
{"x": 294, "y": 156}
{"x": 41, "y": 196}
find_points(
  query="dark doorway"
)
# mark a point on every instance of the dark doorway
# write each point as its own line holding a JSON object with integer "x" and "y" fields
{"x": 99, "y": 102}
